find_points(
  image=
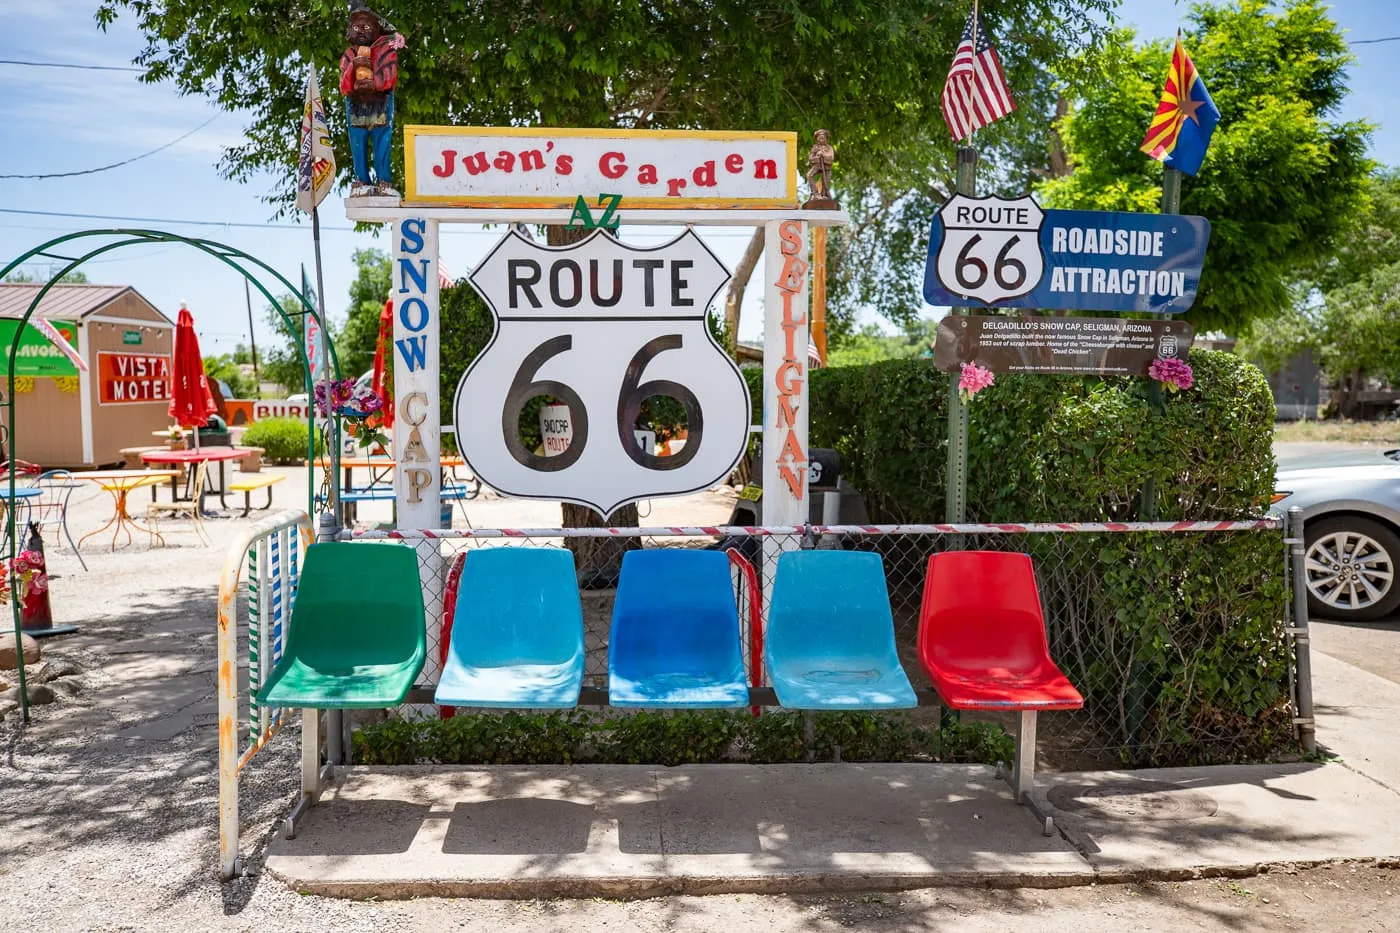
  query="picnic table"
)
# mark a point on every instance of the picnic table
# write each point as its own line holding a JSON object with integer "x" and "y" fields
{"x": 381, "y": 480}
{"x": 119, "y": 484}
{"x": 219, "y": 455}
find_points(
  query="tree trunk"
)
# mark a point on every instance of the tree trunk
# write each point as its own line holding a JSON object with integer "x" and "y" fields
{"x": 1351, "y": 395}
{"x": 734, "y": 300}
{"x": 1059, "y": 160}
{"x": 597, "y": 560}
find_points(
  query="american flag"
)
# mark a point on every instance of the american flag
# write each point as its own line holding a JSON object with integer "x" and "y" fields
{"x": 976, "y": 93}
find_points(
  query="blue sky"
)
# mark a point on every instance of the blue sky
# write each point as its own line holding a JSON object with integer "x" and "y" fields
{"x": 70, "y": 120}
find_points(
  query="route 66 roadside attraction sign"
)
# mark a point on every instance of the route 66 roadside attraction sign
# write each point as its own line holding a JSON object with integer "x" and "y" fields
{"x": 1009, "y": 253}
{"x": 601, "y": 326}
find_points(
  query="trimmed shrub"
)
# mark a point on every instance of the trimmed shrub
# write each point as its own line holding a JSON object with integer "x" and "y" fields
{"x": 673, "y": 738}
{"x": 283, "y": 440}
{"x": 1174, "y": 640}
{"x": 1048, "y": 448}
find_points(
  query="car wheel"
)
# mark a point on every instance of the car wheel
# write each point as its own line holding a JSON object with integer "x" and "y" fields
{"x": 1351, "y": 566}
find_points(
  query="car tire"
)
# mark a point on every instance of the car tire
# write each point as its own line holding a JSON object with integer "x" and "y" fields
{"x": 1342, "y": 556}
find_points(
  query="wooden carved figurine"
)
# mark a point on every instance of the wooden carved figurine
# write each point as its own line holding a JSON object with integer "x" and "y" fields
{"x": 819, "y": 162}
{"x": 369, "y": 72}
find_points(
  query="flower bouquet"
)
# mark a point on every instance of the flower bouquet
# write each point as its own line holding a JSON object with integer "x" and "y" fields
{"x": 359, "y": 405}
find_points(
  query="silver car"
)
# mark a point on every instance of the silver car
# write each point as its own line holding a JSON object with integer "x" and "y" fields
{"x": 1351, "y": 511}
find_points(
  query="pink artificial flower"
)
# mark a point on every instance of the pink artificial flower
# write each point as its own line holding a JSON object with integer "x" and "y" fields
{"x": 1175, "y": 374}
{"x": 974, "y": 379}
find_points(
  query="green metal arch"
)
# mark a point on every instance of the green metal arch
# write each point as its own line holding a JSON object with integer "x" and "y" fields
{"x": 230, "y": 256}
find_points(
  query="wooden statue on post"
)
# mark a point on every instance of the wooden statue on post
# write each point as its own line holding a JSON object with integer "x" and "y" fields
{"x": 369, "y": 72}
{"x": 819, "y": 162}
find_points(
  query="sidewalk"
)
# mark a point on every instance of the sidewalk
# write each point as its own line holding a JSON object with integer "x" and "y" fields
{"x": 640, "y": 831}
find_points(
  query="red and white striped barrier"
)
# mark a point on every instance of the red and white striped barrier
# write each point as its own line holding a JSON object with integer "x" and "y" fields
{"x": 695, "y": 531}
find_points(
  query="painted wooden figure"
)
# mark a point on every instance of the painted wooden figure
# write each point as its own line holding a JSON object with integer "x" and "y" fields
{"x": 369, "y": 72}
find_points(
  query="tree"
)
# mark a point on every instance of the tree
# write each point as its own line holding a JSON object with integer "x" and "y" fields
{"x": 872, "y": 345}
{"x": 76, "y": 277}
{"x": 1281, "y": 178}
{"x": 1345, "y": 311}
{"x": 225, "y": 368}
{"x": 867, "y": 70}
{"x": 281, "y": 362}
{"x": 357, "y": 340}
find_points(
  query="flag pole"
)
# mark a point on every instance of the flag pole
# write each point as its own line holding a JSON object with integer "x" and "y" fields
{"x": 332, "y": 439}
{"x": 252, "y": 340}
{"x": 955, "y": 491}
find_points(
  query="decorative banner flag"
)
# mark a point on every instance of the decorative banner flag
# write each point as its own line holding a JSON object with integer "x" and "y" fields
{"x": 976, "y": 93}
{"x": 316, "y": 167}
{"x": 311, "y": 330}
{"x": 54, "y": 337}
{"x": 1186, "y": 116}
{"x": 445, "y": 279}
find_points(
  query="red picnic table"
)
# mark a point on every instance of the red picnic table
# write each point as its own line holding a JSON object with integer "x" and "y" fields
{"x": 195, "y": 455}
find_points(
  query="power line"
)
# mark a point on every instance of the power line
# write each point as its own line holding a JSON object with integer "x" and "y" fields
{"x": 104, "y": 168}
{"x": 644, "y": 232}
{"x": 1373, "y": 41}
{"x": 13, "y": 61}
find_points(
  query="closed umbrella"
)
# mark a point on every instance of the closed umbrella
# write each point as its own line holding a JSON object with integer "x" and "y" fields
{"x": 379, "y": 381}
{"x": 191, "y": 403}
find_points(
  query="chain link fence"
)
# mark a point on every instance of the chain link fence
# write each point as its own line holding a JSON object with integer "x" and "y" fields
{"x": 1177, "y": 633}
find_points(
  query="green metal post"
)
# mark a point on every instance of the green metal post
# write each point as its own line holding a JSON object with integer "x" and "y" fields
{"x": 955, "y": 502}
{"x": 1171, "y": 204}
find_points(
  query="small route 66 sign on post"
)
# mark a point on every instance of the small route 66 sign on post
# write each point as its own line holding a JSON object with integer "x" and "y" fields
{"x": 601, "y": 326}
{"x": 991, "y": 247}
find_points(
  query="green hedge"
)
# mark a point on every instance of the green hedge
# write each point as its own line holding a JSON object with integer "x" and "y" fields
{"x": 283, "y": 440}
{"x": 1175, "y": 640}
{"x": 1049, "y": 448}
{"x": 683, "y": 737}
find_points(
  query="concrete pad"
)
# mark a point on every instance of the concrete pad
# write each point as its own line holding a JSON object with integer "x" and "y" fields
{"x": 1356, "y": 715}
{"x": 638, "y": 831}
{"x": 1184, "y": 822}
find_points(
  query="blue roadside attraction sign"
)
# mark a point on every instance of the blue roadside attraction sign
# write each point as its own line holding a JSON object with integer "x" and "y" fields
{"x": 1010, "y": 253}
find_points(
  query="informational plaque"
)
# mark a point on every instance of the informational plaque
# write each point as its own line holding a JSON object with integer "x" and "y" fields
{"x": 1090, "y": 345}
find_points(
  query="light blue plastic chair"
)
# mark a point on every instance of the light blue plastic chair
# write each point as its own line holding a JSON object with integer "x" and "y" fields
{"x": 517, "y": 631}
{"x": 675, "y": 632}
{"x": 830, "y": 638}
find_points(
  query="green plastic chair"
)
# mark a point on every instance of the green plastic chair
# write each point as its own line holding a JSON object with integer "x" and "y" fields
{"x": 356, "y": 639}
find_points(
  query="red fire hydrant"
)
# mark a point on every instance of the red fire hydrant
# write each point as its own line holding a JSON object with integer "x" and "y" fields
{"x": 31, "y": 583}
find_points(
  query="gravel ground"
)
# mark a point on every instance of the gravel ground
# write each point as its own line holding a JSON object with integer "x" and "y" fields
{"x": 108, "y": 801}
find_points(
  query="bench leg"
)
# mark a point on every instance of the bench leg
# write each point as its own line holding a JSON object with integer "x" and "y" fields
{"x": 248, "y": 502}
{"x": 1023, "y": 772}
{"x": 310, "y": 769}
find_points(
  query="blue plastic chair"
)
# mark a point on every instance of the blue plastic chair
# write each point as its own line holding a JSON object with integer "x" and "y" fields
{"x": 675, "y": 632}
{"x": 830, "y": 638}
{"x": 517, "y": 631}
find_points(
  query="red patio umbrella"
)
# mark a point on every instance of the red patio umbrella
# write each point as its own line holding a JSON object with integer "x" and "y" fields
{"x": 191, "y": 403}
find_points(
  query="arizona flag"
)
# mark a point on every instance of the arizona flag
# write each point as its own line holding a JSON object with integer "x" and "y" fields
{"x": 1185, "y": 118}
{"x": 316, "y": 162}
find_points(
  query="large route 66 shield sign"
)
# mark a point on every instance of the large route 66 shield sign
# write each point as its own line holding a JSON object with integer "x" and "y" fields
{"x": 601, "y": 326}
{"x": 991, "y": 247}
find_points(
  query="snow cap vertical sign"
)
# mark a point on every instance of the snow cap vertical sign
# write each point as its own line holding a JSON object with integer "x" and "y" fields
{"x": 417, "y": 440}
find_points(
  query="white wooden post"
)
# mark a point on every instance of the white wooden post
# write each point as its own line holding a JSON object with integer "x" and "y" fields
{"x": 785, "y": 338}
{"x": 417, "y": 432}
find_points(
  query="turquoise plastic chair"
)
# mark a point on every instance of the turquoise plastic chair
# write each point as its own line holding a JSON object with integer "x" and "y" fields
{"x": 356, "y": 638}
{"x": 830, "y": 638}
{"x": 517, "y": 631}
{"x": 675, "y": 632}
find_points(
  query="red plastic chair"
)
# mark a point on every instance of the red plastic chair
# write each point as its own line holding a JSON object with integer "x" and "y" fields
{"x": 982, "y": 643}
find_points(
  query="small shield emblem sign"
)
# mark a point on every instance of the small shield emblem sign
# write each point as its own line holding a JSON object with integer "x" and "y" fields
{"x": 991, "y": 248}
